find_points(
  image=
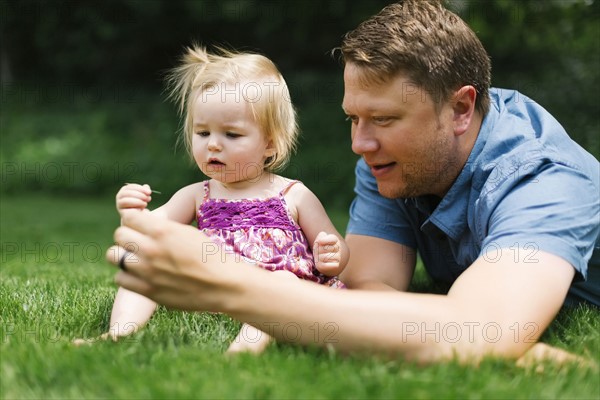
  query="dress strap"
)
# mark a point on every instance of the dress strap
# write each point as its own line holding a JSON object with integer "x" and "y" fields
{"x": 287, "y": 187}
{"x": 206, "y": 191}
{"x": 285, "y": 205}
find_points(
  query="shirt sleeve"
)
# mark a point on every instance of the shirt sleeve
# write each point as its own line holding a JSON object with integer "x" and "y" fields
{"x": 554, "y": 209}
{"x": 371, "y": 214}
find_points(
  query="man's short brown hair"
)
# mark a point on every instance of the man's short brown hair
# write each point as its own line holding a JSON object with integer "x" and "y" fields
{"x": 432, "y": 46}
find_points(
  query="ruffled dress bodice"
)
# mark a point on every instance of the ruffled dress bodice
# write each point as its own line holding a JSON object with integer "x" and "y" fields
{"x": 261, "y": 232}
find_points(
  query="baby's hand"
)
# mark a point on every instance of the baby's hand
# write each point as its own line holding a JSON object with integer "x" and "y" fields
{"x": 327, "y": 253}
{"x": 133, "y": 195}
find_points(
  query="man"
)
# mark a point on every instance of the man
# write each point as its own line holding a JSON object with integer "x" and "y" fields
{"x": 451, "y": 177}
{"x": 484, "y": 184}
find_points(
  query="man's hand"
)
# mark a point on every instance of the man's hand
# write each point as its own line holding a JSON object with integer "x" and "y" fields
{"x": 174, "y": 264}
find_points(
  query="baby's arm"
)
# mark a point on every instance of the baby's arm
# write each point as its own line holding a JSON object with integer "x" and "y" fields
{"x": 181, "y": 207}
{"x": 132, "y": 311}
{"x": 329, "y": 248}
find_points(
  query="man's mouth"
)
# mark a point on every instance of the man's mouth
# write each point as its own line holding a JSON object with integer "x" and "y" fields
{"x": 381, "y": 169}
{"x": 378, "y": 167}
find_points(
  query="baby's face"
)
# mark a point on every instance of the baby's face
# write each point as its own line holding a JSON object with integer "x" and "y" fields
{"x": 227, "y": 143}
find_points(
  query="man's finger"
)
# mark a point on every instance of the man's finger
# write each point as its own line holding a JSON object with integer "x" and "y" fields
{"x": 117, "y": 254}
{"x": 143, "y": 221}
{"x": 132, "y": 240}
{"x": 133, "y": 283}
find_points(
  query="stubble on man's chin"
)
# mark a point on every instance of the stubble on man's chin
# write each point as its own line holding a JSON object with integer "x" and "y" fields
{"x": 413, "y": 187}
{"x": 398, "y": 192}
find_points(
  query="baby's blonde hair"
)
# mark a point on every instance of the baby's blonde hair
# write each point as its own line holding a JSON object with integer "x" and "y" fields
{"x": 272, "y": 109}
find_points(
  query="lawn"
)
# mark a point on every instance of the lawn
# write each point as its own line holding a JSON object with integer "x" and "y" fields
{"x": 56, "y": 286}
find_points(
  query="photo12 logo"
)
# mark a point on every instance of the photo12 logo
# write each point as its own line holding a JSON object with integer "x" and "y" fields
{"x": 52, "y": 252}
{"x": 471, "y": 332}
{"x": 68, "y": 172}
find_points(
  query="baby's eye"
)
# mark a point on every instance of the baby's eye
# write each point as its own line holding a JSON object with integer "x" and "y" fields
{"x": 203, "y": 133}
{"x": 233, "y": 135}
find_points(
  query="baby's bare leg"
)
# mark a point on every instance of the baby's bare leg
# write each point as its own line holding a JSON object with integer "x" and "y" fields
{"x": 253, "y": 340}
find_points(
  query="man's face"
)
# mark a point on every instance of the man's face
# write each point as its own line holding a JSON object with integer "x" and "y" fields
{"x": 407, "y": 142}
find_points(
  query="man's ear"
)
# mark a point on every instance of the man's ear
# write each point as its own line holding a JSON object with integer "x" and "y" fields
{"x": 463, "y": 103}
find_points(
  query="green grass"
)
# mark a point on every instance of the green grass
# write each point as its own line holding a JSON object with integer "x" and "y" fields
{"x": 55, "y": 287}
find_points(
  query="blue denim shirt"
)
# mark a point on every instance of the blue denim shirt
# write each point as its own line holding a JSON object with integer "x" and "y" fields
{"x": 526, "y": 187}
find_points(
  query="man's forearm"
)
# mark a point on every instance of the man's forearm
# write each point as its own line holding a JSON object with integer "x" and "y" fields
{"x": 421, "y": 327}
{"x": 350, "y": 321}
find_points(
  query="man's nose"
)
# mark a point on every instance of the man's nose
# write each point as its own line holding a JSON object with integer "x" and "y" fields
{"x": 363, "y": 139}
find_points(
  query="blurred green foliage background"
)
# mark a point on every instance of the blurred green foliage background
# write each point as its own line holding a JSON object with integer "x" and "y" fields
{"x": 83, "y": 109}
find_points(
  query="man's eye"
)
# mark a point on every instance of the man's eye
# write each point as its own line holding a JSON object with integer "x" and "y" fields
{"x": 352, "y": 119}
{"x": 381, "y": 120}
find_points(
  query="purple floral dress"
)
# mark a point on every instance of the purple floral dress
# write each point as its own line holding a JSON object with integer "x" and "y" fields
{"x": 262, "y": 232}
